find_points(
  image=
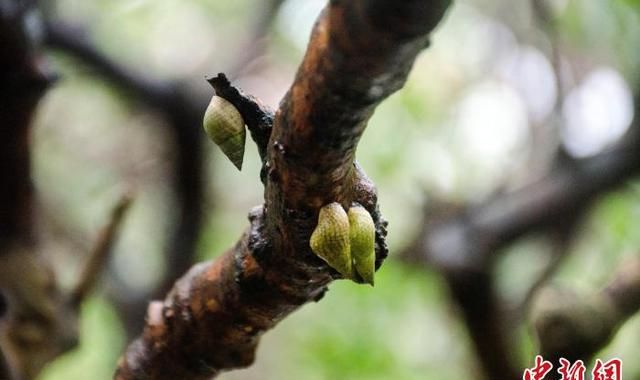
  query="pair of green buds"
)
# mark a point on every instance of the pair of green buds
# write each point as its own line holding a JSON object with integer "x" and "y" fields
{"x": 346, "y": 241}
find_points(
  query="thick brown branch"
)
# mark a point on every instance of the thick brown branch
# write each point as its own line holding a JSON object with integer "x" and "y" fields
{"x": 358, "y": 56}
{"x": 214, "y": 316}
{"x": 340, "y": 82}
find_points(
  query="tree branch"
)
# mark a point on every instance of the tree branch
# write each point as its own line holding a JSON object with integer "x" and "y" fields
{"x": 100, "y": 252}
{"x": 24, "y": 80}
{"x": 36, "y": 324}
{"x": 183, "y": 112}
{"x": 213, "y": 318}
{"x": 470, "y": 238}
{"x": 464, "y": 245}
{"x": 574, "y": 327}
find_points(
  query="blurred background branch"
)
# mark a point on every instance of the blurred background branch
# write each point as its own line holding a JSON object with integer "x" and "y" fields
{"x": 183, "y": 113}
{"x": 464, "y": 247}
{"x": 573, "y": 326}
{"x": 99, "y": 255}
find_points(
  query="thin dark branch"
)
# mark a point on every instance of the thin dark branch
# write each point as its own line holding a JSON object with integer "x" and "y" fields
{"x": 24, "y": 80}
{"x": 72, "y": 40}
{"x": 184, "y": 115}
{"x": 471, "y": 238}
{"x": 100, "y": 252}
{"x": 559, "y": 251}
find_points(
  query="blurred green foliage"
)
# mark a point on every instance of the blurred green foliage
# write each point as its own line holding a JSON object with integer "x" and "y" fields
{"x": 91, "y": 140}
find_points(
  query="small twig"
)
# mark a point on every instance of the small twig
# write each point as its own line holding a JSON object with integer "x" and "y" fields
{"x": 100, "y": 252}
{"x": 557, "y": 256}
{"x": 562, "y": 238}
{"x": 548, "y": 25}
{"x": 257, "y": 116}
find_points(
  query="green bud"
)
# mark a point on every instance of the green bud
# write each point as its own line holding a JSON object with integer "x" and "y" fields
{"x": 225, "y": 126}
{"x": 330, "y": 239}
{"x": 362, "y": 236}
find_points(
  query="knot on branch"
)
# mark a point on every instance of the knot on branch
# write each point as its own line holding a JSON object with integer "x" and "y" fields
{"x": 258, "y": 242}
{"x": 252, "y": 252}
